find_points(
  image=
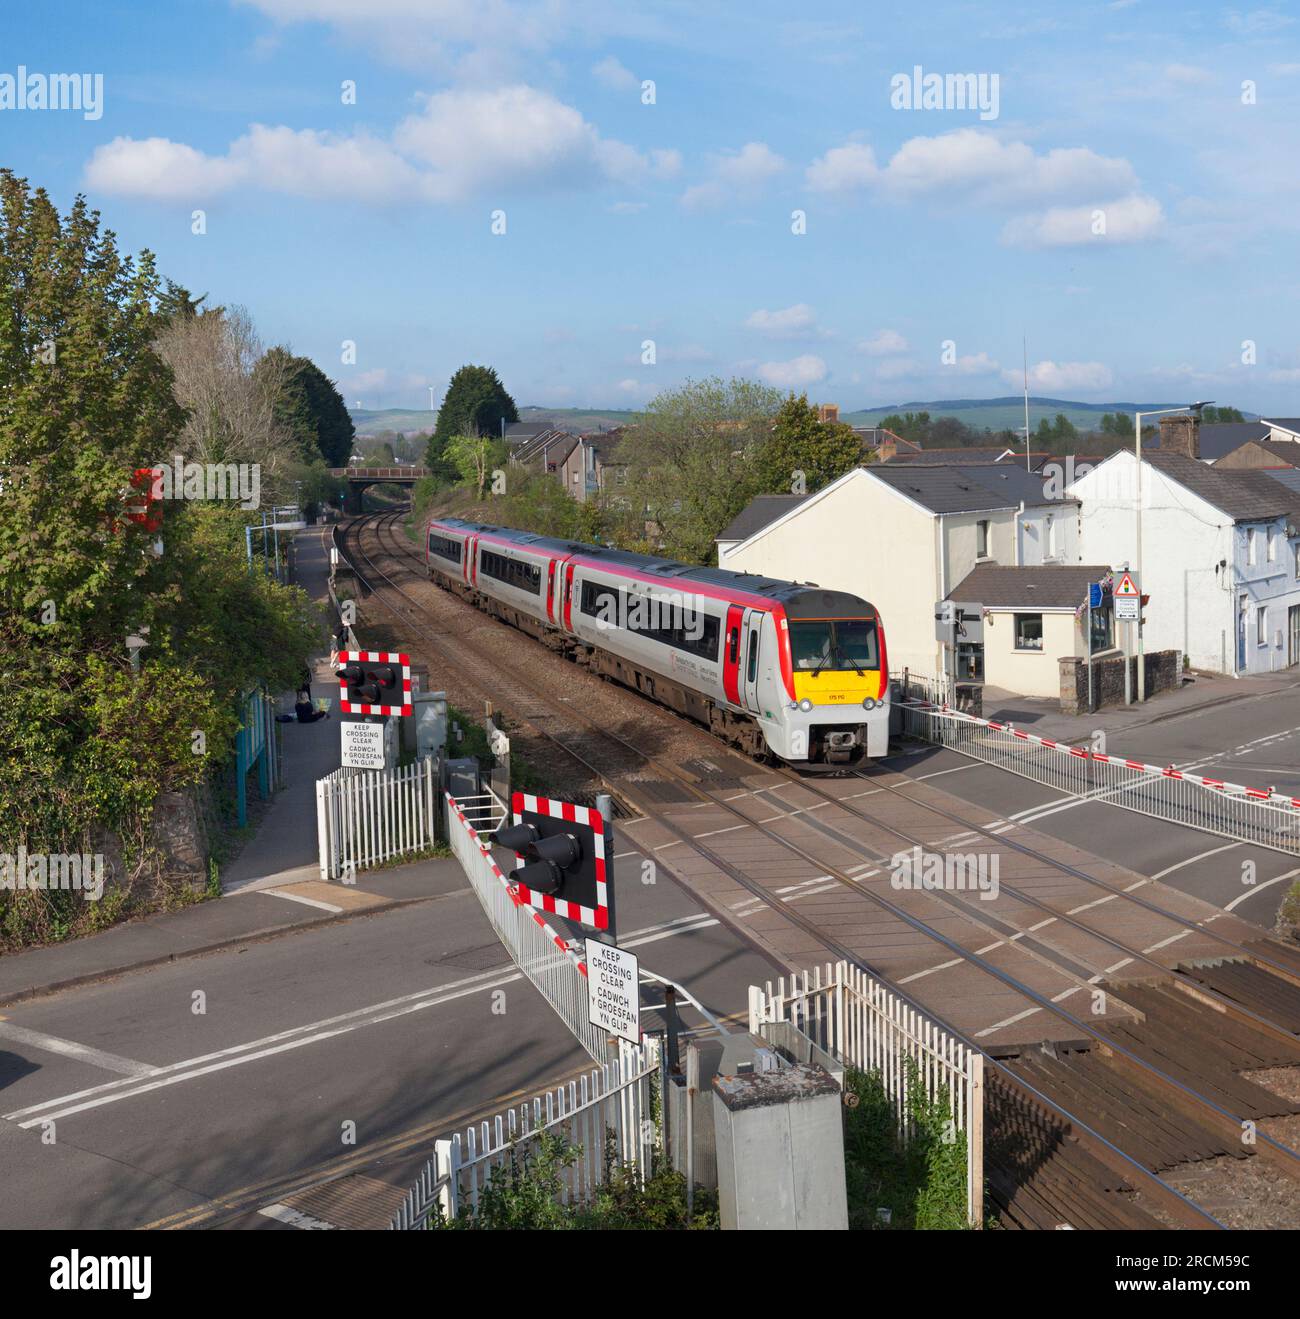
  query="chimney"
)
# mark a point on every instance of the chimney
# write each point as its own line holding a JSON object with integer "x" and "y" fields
{"x": 1181, "y": 434}
{"x": 828, "y": 412}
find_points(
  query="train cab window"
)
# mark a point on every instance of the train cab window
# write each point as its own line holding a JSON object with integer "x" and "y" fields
{"x": 751, "y": 671}
{"x": 835, "y": 644}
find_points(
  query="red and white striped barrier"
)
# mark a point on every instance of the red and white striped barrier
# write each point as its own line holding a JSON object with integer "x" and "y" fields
{"x": 513, "y": 890}
{"x": 1082, "y": 753}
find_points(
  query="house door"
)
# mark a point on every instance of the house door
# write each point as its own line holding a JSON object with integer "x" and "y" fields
{"x": 1293, "y": 635}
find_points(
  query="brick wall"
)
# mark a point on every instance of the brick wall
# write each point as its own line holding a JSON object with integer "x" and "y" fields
{"x": 1164, "y": 671}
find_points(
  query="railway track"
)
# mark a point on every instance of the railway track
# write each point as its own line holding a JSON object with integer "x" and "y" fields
{"x": 831, "y": 906}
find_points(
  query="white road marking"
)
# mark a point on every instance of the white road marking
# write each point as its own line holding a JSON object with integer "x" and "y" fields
{"x": 294, "y": 1218}
{"x": 81, "y": 1053}
{"x": 1250, "y": 892}
{"x": 1200, "y": 856}
{"x": 298, "y": 897}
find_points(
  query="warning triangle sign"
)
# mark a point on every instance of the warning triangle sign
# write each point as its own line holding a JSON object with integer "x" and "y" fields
{"x": 1126, "y": 589}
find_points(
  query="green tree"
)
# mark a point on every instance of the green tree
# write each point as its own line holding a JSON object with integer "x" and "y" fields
{"x": 475, "y": 457}
{"x": 803, "y": 453}
{"x": 692, "y": 461}
{"x": 913, "y": 426}
{"x": 310, "y": 404}
{"x": 476, "y": 403}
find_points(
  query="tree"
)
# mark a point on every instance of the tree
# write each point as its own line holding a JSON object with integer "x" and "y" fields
{"x": 476, "y": 403}
{"x": 913, "y": 426}
{"x": 692, "y": 460}
{"x": 475, "y": 457}
{"x": 803, "y": 453}
{"x": 1217, "y": 416}
{"x": 310, "y": 404}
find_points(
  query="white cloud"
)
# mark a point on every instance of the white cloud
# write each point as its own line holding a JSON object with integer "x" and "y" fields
{"x": 789, "y": 322}
{"x": 797, "y": 373}
{"x": 736, "y": 175}
{"x": 1257, "y": 22}
{"x": 1132, "y": 219}
{"x": 612, "y": 74}
{"x": 974, "y": 364}
{"x": 882, "y": 343}
{"x": 1189, "y": 74}
{"x": 1062, "y": 377}
{"x": 461, "y": 143}
{"x": 978, "y": 166}
{"x": 843, "y": 169}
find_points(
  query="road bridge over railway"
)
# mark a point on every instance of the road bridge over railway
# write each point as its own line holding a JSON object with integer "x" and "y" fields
{"x": 359, "y": 478}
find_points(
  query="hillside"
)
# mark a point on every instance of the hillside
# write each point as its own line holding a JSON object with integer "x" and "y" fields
{"x": 370, "y": 421}
{"x": 1002, "y": 413}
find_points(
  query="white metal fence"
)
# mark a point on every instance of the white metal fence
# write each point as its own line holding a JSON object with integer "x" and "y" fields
{"x": 609, "y": 1114}
{"x": 367, "y": 817}
{"x": 555, "y": 969}
{"x": 859, "y": 1021}
{"x": 1253, "y": 815}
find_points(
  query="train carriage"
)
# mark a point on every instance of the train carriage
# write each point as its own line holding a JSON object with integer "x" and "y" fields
{"x": 777, "y": 668}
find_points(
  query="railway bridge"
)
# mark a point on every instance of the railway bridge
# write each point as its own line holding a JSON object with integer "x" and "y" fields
{"x": 359, "y": 478}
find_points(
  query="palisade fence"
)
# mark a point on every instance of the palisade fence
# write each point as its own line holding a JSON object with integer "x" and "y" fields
{"x": 556, "y": 971}
{"x": 367, "y": 817}
{"x": 610, "y": 1115}
{"x": 1253, "y": 815}
{"x": 859, "y": 1021}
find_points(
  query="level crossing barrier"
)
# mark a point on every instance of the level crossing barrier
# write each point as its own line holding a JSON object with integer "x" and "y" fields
{"x": 1232, "y": 810}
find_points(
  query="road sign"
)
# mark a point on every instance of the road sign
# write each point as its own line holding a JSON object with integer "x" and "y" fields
{"x": 1126, "y": 588}
{"x": 1095, "y": 595}
{"x": 614, "y": 991}
{"x": 374, "y": 682}
{"x": 1128, "y": 599}
{"x": 363, "y": 745}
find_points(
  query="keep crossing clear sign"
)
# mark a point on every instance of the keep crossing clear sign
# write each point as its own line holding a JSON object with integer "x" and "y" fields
{"x": 613, "y": 991}
{"x": 363, "y": 745}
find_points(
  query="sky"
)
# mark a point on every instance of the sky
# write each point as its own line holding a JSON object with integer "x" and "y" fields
{"x": 603, "y": 200}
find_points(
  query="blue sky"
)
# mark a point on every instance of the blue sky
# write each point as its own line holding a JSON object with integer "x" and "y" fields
{"x": 1175, "y": 127}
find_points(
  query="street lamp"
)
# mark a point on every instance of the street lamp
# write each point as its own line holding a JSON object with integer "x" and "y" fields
{"x": 1137, "y": 560}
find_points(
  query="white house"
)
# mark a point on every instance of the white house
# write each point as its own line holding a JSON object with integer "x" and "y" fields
{"x": 902, "y": 536}
{"x": 1220, "y": 555}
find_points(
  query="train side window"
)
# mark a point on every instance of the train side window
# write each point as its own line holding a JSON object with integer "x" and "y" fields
{"x": 733, "y": 645}
{"x": 753, "y": 655}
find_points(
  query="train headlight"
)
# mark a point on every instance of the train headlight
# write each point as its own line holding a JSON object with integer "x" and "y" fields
{"x": 869, "y": 703}
{"x": 805, "y": 705}
{"x": 794, "y": 705}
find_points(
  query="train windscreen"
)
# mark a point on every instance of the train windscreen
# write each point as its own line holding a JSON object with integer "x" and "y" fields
{"x": 820, "y": 645}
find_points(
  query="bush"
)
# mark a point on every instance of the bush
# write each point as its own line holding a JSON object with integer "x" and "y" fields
{"x": 921, "y": 1180}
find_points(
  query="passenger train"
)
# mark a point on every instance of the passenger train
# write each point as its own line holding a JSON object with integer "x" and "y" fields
{"x": 775, "y": 668}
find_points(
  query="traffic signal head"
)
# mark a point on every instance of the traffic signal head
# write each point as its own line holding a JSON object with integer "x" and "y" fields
{"x": 374, "y": 682}
{"x": 546, "y": 860}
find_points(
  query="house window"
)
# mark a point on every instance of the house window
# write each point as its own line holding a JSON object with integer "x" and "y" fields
{"x": 1250, "y": 546}
{"x": 982, "y": 539}
{"x": 1272, "y": 547}
{"x": 1029, "y": 631}
{"x": 1295, "y": 551}
{"x": 1261, "y": 624}
{"x": 1103, "y": 629}
{"x": 1051, "y": 537}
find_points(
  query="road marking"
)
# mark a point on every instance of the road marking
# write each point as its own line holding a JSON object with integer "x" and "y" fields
{"x": 1250, "y": 892}
{"x": 295, "y": 1218}
{"x": 82, "y": 1053}
{"x": 298, "y": 897}
{"x": 1214, "y": 851}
